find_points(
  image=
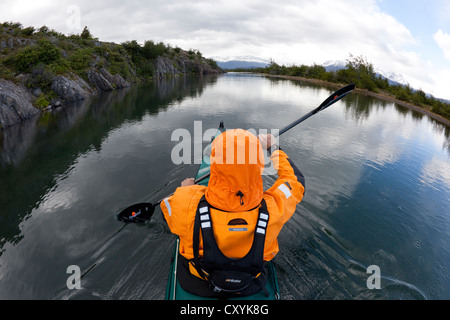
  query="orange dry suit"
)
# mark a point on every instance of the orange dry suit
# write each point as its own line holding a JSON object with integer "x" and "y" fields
{"x": 238, "y": 219}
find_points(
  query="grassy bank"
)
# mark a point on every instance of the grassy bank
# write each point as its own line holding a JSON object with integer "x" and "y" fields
{"x": 361, "y": 72}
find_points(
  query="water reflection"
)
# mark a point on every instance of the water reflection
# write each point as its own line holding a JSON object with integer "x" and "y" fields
{"x": 377, "y": 168}
{"x": 38, "y": 152}
{"x": 377, "y": 191}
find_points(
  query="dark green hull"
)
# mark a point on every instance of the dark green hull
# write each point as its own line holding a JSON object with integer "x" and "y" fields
{"x": 174, "y": 290}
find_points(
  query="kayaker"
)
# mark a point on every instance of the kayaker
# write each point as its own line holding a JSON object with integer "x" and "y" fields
{"x": 228, "y": 230}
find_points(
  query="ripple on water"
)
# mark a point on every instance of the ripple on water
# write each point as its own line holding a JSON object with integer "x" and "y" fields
{"x": 400, "y": 290}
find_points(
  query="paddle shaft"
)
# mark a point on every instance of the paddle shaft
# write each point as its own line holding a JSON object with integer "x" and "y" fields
{"x": 134, "y": 212}
{"x": 197, "y": 181}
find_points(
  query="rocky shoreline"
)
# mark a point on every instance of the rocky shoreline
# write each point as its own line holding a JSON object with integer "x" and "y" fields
{"x": 15, "y": 104}
{"x": 17, "y": 101}
{"x": 42, "y": 69}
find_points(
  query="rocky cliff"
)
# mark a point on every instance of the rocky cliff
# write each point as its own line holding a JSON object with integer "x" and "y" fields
{"x": 15, "y": 104}
{"x": 19, "y": 102}
{"x": 43, "y": 69}
{"x": 180, "y": 66}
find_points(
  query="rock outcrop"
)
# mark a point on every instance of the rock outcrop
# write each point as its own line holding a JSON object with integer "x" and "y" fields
{"x": 104, "y": 81}
{"x": 42, "y": 69}
{"x": 71, "y": 88}
{"x": 165, "y": 66}
{"x": 16, "y": 100}
{"x": 15, "y": 104}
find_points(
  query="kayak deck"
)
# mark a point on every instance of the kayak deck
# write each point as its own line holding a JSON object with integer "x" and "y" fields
{"x": 175, "y": 292}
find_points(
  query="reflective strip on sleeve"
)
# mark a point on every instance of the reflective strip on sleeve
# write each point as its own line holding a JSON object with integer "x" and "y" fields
{"x": 285, "y": 190}
{"x": 169, "y": 209}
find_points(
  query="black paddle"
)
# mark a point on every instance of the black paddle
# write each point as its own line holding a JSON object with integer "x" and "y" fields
{"x": 143, "y": 211}
{"x": 335, "y": 97}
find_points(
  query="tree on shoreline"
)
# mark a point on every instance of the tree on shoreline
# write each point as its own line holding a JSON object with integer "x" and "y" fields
{"x": 361, "y": 72}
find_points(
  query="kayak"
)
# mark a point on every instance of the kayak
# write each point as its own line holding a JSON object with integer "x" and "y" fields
{"x": 174, "y": 291}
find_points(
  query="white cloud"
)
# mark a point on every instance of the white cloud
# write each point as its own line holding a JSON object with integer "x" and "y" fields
{"x": 326, "y": 25}
{"x": 301, "y": 31}
{"x": 442, "y": 39}
{"x": 440, "y": 89}
{"x": 290, "y": 32}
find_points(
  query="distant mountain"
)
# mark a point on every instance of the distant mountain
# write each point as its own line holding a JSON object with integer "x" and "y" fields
{"x": 244, "y": 62}
{"x": 334, "y": 65}
{"x": 393, "y": 78}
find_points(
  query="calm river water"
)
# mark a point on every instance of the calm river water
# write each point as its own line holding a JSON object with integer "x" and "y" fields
{"x": 377, "y": 178}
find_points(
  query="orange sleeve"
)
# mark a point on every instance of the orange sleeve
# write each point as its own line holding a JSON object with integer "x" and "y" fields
{"x": 282, "y": 199}
{"x": 289, "y": 188}
{"x": 177, "y": 209}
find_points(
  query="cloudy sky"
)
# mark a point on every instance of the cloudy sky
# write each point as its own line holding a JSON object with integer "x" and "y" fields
{"x": 407, "y": 37}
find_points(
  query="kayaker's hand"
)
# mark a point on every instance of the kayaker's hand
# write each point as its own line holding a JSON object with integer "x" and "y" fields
{"x": 267, "y": 140}
{"x": 188, "y": 182}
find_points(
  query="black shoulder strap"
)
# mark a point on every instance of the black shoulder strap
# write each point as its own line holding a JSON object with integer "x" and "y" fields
{"x": 196, "y": 238}
{"x": 260, "y": 235}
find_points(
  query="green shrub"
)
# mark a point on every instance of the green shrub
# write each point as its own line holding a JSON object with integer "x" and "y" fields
{"x": 28, "y": 31}
{"x": 12, "y": 25}
{"x": 59, "y": 66}
{"x": 43, "y": 52}
{"x": 42, "y": 102}
{"x": 41, "y": 77}
{"x": 151, "y": 50}
{"x": 5, "y": 73}
{"x": 86, "y": 34}
{"x": 298, "y": 71}
{"x": 212, "y": 63}
{"x": 146, "y": 68}
{"x": 81, "y": 59}
{"x": 44, "y": 30}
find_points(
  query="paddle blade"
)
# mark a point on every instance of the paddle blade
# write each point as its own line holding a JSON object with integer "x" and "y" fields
{"x": 140, "y": 212}
{"x": 335, "y": 97}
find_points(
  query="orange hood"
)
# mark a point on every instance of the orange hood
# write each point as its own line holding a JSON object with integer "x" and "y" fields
{"x": 237, "y": 162}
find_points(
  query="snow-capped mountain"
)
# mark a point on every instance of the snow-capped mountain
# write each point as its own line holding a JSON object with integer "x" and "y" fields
{"x": 240, "y": 58}
{"x": 334, "y": 65}
{"x": 392, "y": 77}
{"x": 247, "y": 62}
